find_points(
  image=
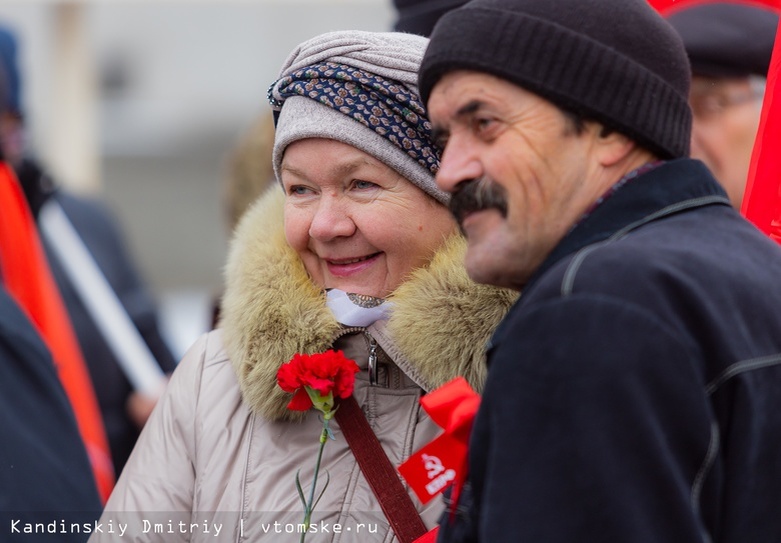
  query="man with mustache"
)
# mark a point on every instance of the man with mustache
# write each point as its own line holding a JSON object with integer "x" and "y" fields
{"x": 634, "y": 390}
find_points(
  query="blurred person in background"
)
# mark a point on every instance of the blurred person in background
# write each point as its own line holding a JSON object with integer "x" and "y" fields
{"x": 729, "y": 47}
{"x": 356, "y": 252}
{"x": 249, "y": 171}
{"x": 46, "y": 474}
{"x": 26, "y": 277}
{"x": 420, "y": 16}
{"x": 124, "y": 411}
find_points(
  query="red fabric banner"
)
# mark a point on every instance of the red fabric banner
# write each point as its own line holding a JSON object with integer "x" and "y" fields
{"x": 762, "y": 199}
{"x": 26, "y": 275}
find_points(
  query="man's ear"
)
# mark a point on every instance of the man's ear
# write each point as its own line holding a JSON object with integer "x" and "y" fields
{"x": 612, "y": 147}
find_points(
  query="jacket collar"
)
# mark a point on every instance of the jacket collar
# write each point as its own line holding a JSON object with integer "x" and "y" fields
{"x": 440, "y": 324}
{"x": 672, "y": 187}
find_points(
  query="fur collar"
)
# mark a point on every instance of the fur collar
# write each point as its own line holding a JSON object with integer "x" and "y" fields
{"x": 271, "y": 310}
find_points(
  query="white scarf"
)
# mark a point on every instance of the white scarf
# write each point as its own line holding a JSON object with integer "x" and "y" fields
{"x": 357, "y": 309}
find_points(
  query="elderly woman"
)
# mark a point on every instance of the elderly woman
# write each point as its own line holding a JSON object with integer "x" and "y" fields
{"x": 357, "y": 252}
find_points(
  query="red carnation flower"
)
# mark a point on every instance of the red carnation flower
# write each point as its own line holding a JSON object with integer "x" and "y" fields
{"x": 317, "y": 379}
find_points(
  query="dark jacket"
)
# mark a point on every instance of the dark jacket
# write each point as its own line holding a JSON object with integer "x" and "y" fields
{"x": 634, "y": 391}
{"x": 100, "y": 233}
{"x": 45, "y": 475}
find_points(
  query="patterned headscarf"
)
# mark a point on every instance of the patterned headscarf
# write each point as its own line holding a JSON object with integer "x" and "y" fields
{"x": 359, "y": 88}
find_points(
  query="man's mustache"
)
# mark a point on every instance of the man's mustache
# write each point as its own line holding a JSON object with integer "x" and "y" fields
{"x": 477, "y": 195}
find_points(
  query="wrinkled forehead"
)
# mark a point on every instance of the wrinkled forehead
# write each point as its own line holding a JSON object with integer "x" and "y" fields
{"x": 461, "y": 95}
{"x": 458, "y": 88}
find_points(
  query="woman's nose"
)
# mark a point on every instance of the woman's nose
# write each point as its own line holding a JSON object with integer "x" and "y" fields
{"x": 332, "y": 219}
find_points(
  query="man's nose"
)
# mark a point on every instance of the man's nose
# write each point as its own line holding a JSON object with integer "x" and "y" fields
{"x": 460, "y": 162}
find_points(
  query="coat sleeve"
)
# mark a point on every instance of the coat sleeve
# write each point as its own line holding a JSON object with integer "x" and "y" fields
{"x": 45, "y": 474}
{"x": 594, "y": 427}
{"x": 157, "y": 484}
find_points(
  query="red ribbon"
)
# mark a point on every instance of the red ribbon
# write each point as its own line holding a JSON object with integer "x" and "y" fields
{"x": 762, "y": 199}
{"x": 430, "y": 536}
{"x": 443, "y": 462}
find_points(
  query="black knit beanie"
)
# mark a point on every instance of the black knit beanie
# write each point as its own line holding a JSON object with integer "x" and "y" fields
{"x": 614, "y": 61}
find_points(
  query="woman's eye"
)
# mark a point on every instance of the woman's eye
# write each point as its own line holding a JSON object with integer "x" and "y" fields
{"x": 363, "y": 185}
{"x": 298, "y": 190}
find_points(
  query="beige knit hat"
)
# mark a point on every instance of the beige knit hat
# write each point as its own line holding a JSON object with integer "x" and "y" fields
{"x": 359, "y": 88}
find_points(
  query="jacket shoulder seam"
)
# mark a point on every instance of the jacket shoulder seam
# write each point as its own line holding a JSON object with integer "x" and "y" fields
{"x": 740, "y": 367}
{"x": 568, "y": 282}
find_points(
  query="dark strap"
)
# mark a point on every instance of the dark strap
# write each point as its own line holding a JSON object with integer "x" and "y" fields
{"x": 379, "y": 472}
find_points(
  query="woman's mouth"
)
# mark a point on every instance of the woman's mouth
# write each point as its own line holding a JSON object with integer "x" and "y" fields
{"x": 348, "y": 266}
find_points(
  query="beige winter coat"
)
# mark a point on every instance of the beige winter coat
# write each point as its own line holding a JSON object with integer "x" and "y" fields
{"x": 221, "y": 451}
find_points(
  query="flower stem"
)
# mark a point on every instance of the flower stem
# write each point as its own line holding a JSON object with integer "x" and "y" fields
{"x": 310, "y": 506}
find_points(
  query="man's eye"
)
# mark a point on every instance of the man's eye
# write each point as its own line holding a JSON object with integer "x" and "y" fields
{"x": 483, "y": 125}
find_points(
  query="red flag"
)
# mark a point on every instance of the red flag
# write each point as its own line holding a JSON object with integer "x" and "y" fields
{"x": 762, "y": 200}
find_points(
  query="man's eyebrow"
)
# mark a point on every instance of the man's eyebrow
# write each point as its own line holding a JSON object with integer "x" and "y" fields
{"x": 470, "y": 107}
{"x": 439, "y": 132}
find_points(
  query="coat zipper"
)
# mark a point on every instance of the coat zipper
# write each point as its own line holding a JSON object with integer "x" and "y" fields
{"x": 372, "y": 344}
{"x": 373, "y": 366}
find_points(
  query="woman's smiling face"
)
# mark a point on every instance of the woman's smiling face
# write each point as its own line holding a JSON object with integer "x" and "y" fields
{"x": 357, "y": 224}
